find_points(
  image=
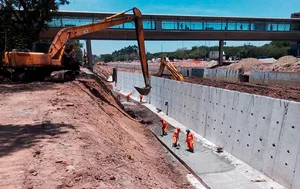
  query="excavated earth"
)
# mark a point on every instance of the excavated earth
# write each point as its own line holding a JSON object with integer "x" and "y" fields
{"x": 281, "y": 92}
{"x": 75, "y": 135}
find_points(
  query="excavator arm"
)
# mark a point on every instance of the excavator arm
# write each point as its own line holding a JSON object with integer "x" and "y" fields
{"x": 58, "y": 45}
{"x": 171, "y": 68}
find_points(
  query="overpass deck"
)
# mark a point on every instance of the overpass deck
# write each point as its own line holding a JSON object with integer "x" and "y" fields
{"x": 179, "y": 27}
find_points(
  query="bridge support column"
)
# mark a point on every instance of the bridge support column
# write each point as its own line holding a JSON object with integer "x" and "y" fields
{"x": 89, "y": 53}
{"x": 221, "y": 44}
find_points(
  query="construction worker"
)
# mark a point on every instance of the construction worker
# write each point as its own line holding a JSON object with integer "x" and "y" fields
{"x": 119, "y": 96}
{"x": 164, "y": 127}
{"x": 141, "y": 98}
{"x": 128, "y": 97}
{"x": 176, "y": 137}
{"x": 190, "y": 140}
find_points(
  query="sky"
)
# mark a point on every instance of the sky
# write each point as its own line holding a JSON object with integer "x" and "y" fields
{"x": 244, "y": 8}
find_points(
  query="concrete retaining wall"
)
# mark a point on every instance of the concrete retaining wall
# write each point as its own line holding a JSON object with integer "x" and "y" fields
{"x": 127, "y": 83}
{"x": 219, "y": 75}
{"x": 261, "y": 131}
{"x": 275, "y": 78}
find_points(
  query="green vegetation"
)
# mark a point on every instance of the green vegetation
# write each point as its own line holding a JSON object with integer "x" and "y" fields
{"x": 21, "y": 21}
{"x": 274, "y": 49}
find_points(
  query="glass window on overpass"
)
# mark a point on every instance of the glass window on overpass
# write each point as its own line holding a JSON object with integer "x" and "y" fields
{"x": 271, "y": 27}
{"x": 231, "y": 26}
{"x": 184, "y": 25}
{"x": 213, "y": 25}
{"x": 129, "y": 25}
{"x": 55, "y": 23}
{"x": 197, "y": 25}
{"x": 243, "y": 26}
{"x": 258, "y": 26}
{"x": 284, "y": 27}
{"x": 169, "y": 25}
{"x": 148, "y": 25}
{"x": 67, "y": 22}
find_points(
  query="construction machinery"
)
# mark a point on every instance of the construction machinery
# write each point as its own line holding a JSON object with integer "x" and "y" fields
{"x": 171, "y": 68}
{"x": 60, "y": 56}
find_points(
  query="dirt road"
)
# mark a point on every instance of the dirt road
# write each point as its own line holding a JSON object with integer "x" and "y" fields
{"x": 74, "y": 135}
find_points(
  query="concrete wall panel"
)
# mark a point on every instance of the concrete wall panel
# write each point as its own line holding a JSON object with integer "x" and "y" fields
{"x": 187, "y": 104}
{"x": 206, "y": 116}
{"x": 288, "y": 142}
{"x": 275, "y": 128}
{"x": 275, "y": 78}
{"x": 261, "y": 132}
{"x": 219, "y": 74}
{"x": 242, "y": 147}
{"x": 171, "y": 99}
{"x": 230, "y": 101}
{"x": 296, "y": 180}
{"x": 198, "y": 108}
{"x": 213, "y": 104}
{"x": 194, "y": 101}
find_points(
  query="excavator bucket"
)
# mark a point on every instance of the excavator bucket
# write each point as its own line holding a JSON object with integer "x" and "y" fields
{"x": 143, "y": 91}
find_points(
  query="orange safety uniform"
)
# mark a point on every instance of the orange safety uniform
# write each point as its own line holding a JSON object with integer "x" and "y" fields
{"x": 176, "y": 136}
{"x": 141, "y": 98}
{"x": 128, "y": 97}
{"x": 164, "y": 127}
{"x": 190, "y": 140}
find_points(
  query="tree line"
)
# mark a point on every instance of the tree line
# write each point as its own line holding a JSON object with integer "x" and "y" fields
{"x": 273, "y": 49}
{"x": 21, "y": 22}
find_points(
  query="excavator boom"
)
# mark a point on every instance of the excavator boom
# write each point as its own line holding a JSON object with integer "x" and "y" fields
{"x": 73, "y": 32}
{"x": 171, "y": 68}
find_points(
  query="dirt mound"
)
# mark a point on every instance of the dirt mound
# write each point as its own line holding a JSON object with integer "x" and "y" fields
{"x": 74, "y": 135}
{"x": 286, "y": 64}
{"x": 103, "y": 71}
{"x": 247, "y": 65}
{"x": 286, "y": 59}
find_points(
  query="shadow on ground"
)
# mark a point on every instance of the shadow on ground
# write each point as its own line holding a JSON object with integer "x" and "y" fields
{"x": 18, "y": 137}
{"x": 23, "y": 87}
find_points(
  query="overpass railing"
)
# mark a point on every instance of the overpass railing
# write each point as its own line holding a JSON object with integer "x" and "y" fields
{"x": 188, "y": 25}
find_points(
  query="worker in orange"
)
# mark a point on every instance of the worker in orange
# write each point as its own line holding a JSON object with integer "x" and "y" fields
{"x": 190, "y": 140}
{"x": 141, "y": 98}
{"x": 119, "y": 96}
{"x": 128, "y": 97}
{"x": 176, "y": 137}
{"x": 164, "y": 127}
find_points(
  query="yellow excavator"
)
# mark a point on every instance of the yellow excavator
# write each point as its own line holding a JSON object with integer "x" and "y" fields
{"x": 171, "y": 68}
{"x": 60, "y": 55}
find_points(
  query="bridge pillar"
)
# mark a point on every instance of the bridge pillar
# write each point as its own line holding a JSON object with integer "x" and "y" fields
{"x": 221, "y": 44}
{"x": 89, "y": 53}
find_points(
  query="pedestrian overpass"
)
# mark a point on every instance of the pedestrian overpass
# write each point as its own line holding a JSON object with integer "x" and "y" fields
{"x": 180, "y": 27}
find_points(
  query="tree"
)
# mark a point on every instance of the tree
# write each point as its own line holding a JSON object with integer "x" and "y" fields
{"x": 23, "y": 20}
{"x": 280, "y": 43}
{"x": 106, "y": 57}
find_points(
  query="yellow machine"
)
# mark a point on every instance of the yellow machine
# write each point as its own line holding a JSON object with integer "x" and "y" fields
{"x": 171, "y": 68}
{"x": 60, "y": 56}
